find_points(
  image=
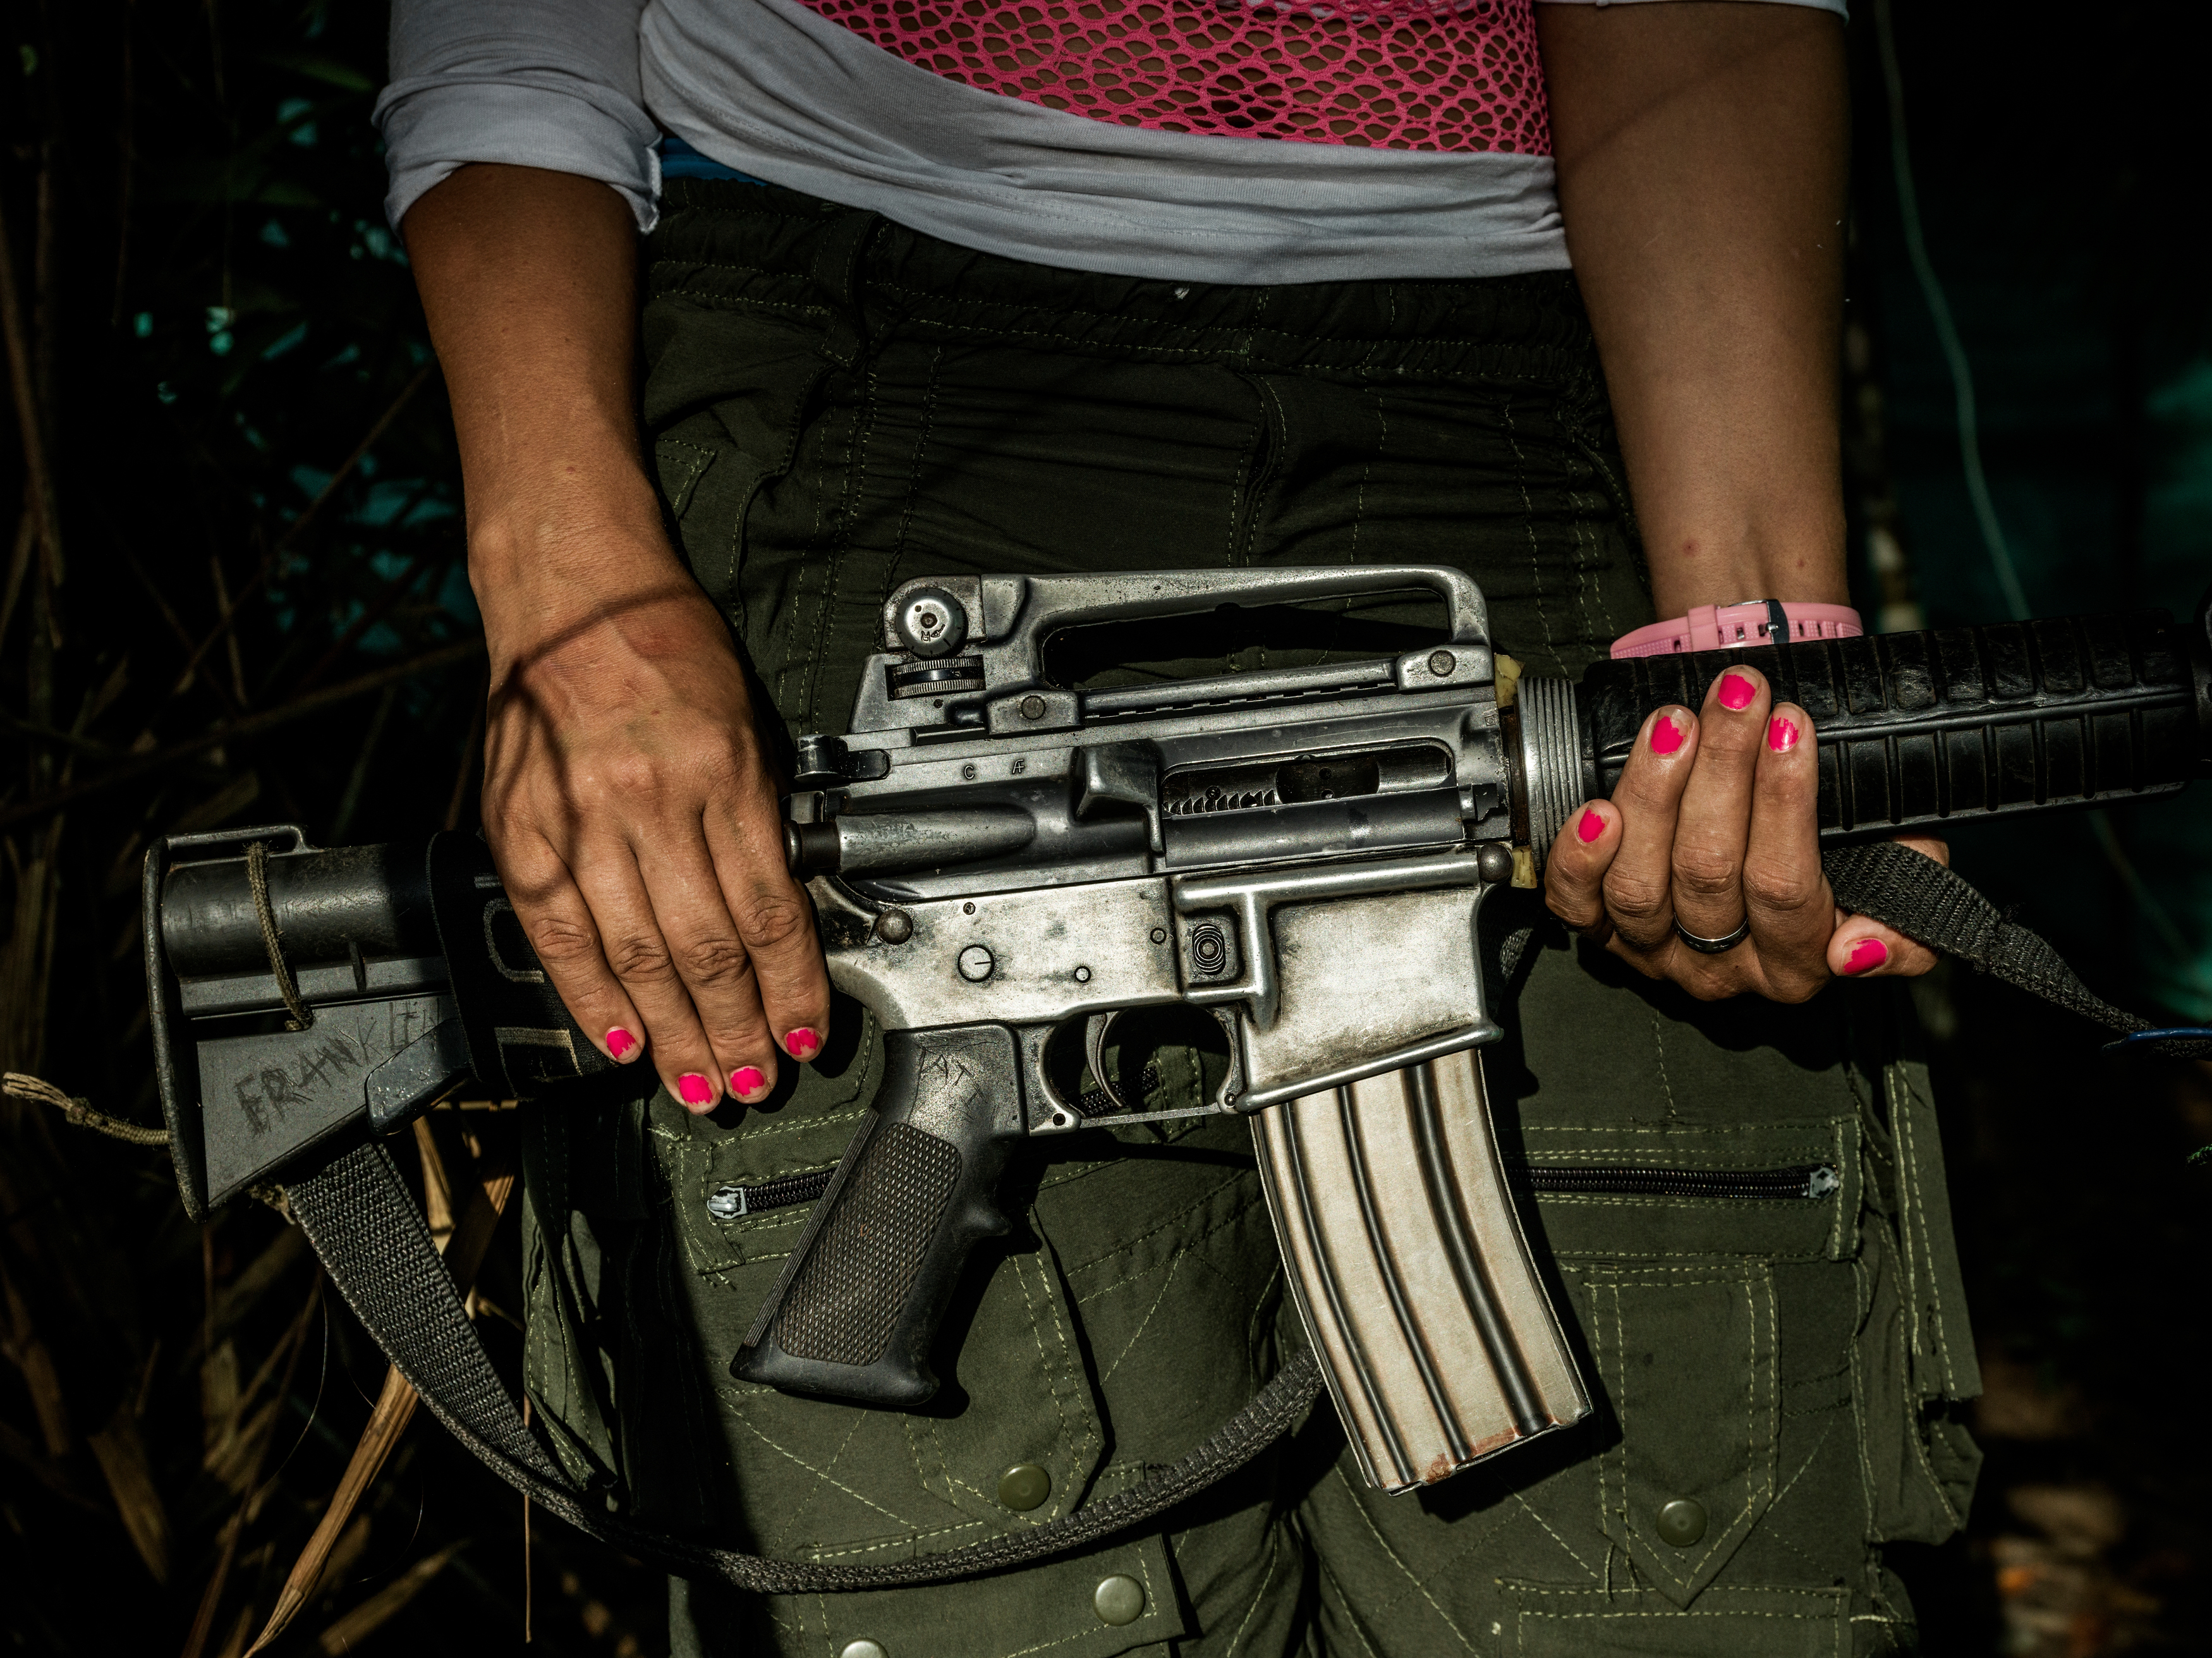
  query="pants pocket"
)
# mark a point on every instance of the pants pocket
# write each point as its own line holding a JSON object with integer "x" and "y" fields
{"x": 1743, "y": 1623}
{"x": 1687, "y": 1358}
{"x": 1921, "y": 1463}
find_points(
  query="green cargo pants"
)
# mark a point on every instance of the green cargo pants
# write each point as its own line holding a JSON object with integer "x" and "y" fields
{"x": 838, "y": 404}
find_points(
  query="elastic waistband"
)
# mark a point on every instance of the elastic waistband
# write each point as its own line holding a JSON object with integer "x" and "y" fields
{"x": 761, "y": 246}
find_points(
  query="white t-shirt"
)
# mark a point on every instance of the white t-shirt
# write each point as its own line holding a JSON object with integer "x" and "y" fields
{"x": 777, "y": 91}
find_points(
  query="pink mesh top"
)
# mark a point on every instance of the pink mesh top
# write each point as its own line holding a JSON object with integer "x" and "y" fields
{"x": 1403, "y": 75}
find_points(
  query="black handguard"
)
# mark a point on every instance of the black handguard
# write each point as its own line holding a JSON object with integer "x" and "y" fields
{"x": 1916, "y": 729}
{"x": 856, "y": 1312}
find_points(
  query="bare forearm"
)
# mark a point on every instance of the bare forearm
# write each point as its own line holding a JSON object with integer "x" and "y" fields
{"x": 1702, "y": 157}
{"x": 529, "y": 282}
{"x": 626, "y": 799}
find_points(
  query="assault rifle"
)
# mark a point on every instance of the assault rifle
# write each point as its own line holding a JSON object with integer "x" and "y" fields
{"x": 1292, "y": 861}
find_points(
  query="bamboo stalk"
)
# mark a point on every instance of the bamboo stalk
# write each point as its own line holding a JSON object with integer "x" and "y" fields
{"x": 357, "y": 780}
{"x": 464, "y": 1247}
{"x": 252, "y": 725}
{"x": 395, "y": 1409}
{"x": 121, "y": 1453}
{"x": 35, "y": 1361}
{"x": 227, "y": 614}
{"x": 59, "y": 739}
{"x": 471, "y": 765}
{"x": 176, "y": 626}
{"x": 126, "y": 151}
{"x": 396, "y": 590}
{"x": 371, "y": 1614}
{"x": 292, "y": 531}
{"x": 227, "y": 1556}
{"x": 28, "y": 417}
{"x": 27, "y": 538}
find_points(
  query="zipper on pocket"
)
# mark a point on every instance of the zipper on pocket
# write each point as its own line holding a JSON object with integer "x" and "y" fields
{"x": 728, "y": 1201}
{"x": 1813, "y": 1181}
{"x": 1818, "y": 1180}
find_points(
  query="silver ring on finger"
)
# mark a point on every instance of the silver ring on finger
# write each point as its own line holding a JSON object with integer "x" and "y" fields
{"x": 1727, "y": 941}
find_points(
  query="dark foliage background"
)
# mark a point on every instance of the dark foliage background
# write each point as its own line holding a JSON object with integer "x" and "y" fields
{"x": 247, "y": 605}
{"x": 234, "y": 594}
{"x": 2063, "y": 193}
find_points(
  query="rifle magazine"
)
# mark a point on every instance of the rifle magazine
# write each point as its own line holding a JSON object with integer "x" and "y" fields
{"x": 1409, "y": 1266}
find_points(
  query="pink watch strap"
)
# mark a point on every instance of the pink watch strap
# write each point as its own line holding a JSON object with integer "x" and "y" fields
{"x": 1719, "y": 627}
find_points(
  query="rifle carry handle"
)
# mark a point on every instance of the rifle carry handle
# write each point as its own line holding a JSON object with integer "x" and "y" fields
{"x": 855, "y": 1314}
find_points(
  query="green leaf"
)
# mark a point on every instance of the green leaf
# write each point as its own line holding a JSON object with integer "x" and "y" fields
{"x": 241, "y": 178}
{"x": 319, "y": 68}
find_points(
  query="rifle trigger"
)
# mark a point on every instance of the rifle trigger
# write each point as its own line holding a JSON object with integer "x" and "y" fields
{"x": 1094, "y": 1054}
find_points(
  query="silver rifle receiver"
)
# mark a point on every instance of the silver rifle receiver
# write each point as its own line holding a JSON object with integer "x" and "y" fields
{"x": 1292, "y": 862}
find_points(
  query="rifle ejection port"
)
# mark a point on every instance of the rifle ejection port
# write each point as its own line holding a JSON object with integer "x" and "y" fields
{"x": 975, "y": 963}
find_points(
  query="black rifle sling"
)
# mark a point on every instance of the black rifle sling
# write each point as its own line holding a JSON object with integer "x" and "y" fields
{"x": 362, "y": 1222}
{"x": 1923, "y": 900}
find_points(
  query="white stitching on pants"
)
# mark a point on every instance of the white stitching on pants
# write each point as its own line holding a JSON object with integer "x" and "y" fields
{"x": 1529, "y": 511}
{"x": 1421, "y": 1588}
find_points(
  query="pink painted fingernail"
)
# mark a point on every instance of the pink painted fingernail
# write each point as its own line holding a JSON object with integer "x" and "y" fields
{"x": 1589, "y": 827}
{"x": 693, "y": 1089}
{"x": 1666, "y": 736}
{"x": 1781, "y": 734}
{"x": 748, "y": 1080}
{"x": 621, "y": 1044}
{"x": 1736, "y": 692}
{"x": 1866, "y": 956}
{"x": 802, "y": 1043}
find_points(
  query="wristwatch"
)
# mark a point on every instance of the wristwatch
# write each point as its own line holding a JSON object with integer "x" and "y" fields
{"x": 1746, "y": 623}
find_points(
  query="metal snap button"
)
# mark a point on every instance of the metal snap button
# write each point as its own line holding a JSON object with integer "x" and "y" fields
{"x": 1682, "y": 1522}
{"x": 1119, "y": 1600}
{"x": 1024, "y": 1486}
{"x": 863, "y": 1647}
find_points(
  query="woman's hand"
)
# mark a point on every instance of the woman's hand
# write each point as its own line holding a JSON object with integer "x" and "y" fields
{"x": 1714, "y": 822}
{"x": 627, "y": 801}
{"x": 1702, "y": 154}
{"x": 636, "y": 828}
